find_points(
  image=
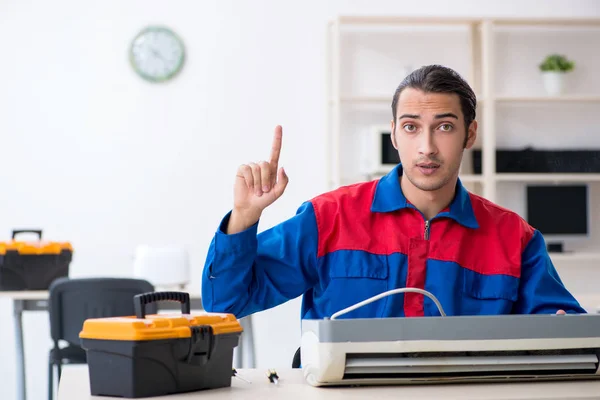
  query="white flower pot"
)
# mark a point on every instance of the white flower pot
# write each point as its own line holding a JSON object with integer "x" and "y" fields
{"x": 554, "y": 82}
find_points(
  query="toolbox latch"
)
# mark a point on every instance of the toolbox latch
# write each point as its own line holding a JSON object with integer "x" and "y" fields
{"x": 201, "y": 344}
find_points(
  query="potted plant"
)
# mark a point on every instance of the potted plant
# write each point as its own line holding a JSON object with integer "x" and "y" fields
{"x": 554, "y": 67}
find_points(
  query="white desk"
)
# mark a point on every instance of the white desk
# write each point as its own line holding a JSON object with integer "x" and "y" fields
{"x": 74, "y": 385}
{"x": 38, "y": 301}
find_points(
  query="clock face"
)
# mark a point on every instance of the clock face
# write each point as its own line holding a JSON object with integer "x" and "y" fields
{"x": 157, "y": 54}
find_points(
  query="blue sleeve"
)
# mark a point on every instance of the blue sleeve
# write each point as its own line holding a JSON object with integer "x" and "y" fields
{"x": 246, "y": 273}
{"x": 541, "y": 290}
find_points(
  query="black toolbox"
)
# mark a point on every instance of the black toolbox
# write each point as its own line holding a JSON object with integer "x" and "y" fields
{"x": 160, "y": 354}
{"x": 32, "y": 265}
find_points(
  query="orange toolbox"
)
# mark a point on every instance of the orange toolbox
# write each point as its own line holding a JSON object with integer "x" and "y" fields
{"x": 159, "y": 354}
{"x": 32, "y": 265}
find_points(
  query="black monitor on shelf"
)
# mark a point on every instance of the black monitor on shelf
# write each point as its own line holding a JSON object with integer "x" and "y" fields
{"x": 559, "y": 212}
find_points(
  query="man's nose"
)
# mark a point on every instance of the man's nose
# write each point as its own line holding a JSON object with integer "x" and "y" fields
{"x": 427, "y": 143}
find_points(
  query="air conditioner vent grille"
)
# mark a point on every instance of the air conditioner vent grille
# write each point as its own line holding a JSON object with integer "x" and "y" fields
{"x": 473, "y": 364}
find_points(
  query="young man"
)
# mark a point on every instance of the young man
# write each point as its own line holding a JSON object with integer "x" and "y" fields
{"x": 416, "y": 227}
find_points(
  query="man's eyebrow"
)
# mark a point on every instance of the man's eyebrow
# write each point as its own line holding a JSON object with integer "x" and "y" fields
{"x": 446, "y": 115}
{"x": 413, "y": 116}
{"x": 438, "y": 116}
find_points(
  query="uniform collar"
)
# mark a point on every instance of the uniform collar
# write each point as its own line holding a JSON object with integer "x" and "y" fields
{"x": 389, "y": 197}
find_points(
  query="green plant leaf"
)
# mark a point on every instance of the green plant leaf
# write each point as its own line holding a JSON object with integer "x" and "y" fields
{"x": 557, "y": 63}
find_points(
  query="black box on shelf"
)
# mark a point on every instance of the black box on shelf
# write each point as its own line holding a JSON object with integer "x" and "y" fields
{"x": 542, "y": 161}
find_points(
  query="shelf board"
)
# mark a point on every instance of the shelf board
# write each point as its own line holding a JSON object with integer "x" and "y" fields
{"x": 575, "y": 256}
{"x": 506, "y": 177}
{"x": 480, "y": 99}
{"x": 549, "y": 99}
{"x": 463, "y": 177}
{"x": 576, "y": 22}
{"x": 379, "y": 99}
{"x": 425, "y": 20}
{"x": 471, "y": 178}
{"x": 366, "y": 99}
{"x": 402, "y": 20}
{"x": 547, "y": 177}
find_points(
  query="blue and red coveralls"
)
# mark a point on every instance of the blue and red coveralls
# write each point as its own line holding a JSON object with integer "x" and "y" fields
{"x": 355, "y": 242}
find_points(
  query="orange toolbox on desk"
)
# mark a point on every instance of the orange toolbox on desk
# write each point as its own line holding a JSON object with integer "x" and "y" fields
{"x": 32, "y": 265}
{"x": 159, "y": 354}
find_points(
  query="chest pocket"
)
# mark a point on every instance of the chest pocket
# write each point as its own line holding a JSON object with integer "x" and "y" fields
{"x": 353, "y": 279}
{"x": 488, "y": 294}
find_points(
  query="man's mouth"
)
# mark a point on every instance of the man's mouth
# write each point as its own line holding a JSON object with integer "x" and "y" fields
{"x": 428, "y": 168}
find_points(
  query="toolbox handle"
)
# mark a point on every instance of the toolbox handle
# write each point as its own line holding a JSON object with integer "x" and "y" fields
{"x": 15, "y": 232}
{"x": 140, "y": 301}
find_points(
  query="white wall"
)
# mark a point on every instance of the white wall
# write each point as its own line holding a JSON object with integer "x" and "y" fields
{"x": 94, "y": 155}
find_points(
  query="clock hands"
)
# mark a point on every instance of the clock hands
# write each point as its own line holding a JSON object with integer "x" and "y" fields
{"x": 157, "y": 54}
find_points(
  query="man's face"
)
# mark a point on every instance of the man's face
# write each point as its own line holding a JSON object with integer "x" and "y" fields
{"x": 429, "y": 134}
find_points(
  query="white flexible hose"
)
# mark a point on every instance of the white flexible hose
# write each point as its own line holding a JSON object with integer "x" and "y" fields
{"x": 389, "y": 292}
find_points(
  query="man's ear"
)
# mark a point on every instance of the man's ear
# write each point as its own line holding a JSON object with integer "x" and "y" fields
{"x": 471, "y": 135}
{"x": 393, "y": 135}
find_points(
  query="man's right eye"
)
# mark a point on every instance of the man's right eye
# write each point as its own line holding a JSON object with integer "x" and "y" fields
{"x": 409, "y": 128}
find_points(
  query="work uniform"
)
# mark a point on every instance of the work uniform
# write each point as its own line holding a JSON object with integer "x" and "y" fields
{"x": 358, "y": 241}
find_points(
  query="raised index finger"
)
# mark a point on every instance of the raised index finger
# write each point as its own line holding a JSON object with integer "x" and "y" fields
{"x": 276, "y": 147}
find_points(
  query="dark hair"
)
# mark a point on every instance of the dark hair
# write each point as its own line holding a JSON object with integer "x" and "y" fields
{"x": 440, "y": 79}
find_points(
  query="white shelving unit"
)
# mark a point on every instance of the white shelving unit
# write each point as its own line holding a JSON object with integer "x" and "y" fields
{"x": 506, "y": 177}
{"x": 481, "y": 59}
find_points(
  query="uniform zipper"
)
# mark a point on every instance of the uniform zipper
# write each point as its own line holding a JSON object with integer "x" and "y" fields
{"x": 426, "y": 230}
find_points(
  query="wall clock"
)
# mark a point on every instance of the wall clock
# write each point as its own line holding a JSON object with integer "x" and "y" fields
{"x": 157, "y": 54}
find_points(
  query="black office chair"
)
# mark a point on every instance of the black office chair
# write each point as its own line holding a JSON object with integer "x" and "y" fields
{"x": 72, "y": 301}
{"x": 296, "y": 361}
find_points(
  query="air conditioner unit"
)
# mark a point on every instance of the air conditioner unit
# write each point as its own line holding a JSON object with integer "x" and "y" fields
{"x": 445, "y": 349}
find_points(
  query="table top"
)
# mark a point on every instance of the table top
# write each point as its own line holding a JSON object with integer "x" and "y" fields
{"x": 74, "y": 385}
{"x": 43, "y": 295}
{"x": 25, "y": 295}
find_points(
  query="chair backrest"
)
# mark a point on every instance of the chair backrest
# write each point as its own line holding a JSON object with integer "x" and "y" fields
{"x": 165, "y": 266}
{"x": 72, "y": 301}
{"x": 297, "y": 360}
